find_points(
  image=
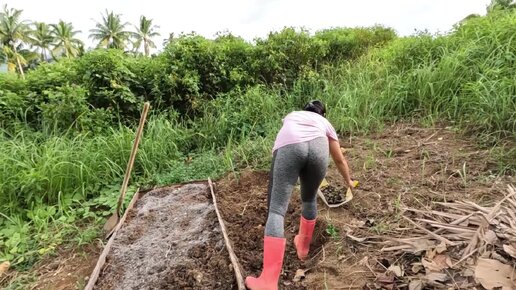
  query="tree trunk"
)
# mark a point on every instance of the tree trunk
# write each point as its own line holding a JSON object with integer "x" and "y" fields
{"x": 146, "y": 47}
{"x": 20, "y": 68}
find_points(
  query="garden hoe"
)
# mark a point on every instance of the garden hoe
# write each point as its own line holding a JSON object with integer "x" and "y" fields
{"x": 111, "y": 223}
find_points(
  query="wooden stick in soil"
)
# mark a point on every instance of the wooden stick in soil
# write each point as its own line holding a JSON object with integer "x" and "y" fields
{"x": 109, "y": 226}
{"x": 102, "y": 259}
{"x": 232, "y": 255}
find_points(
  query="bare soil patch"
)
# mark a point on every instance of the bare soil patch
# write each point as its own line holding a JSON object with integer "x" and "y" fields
{"x": 402, "y": 167}
{"x": 67, "y": 269}
{"x": 243, "y": 205}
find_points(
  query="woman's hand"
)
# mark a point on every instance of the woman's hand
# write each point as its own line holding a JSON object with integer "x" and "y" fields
{"x": 352, "y": 183}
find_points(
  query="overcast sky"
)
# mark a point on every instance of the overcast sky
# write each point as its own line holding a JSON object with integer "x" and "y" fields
{"x": 255, "y": 18}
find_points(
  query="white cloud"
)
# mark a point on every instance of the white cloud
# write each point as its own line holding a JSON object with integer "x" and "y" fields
{"x": 255, "y": 18}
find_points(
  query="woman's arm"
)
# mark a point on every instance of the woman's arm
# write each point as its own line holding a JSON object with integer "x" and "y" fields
{"x": 340, "y": 161}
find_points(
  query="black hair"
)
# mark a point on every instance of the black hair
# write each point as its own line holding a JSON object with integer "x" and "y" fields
{"x": 316, "y": 107}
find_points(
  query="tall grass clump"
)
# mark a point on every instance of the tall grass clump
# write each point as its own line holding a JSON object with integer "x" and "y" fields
{"x": 466, "y": 78}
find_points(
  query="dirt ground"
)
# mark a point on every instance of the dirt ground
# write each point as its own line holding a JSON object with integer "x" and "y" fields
{"x": 70, "y": 270}
{"x": 243, "y": 205}
{"x": 171, "y": 239}
{"x": 403, "y": 166}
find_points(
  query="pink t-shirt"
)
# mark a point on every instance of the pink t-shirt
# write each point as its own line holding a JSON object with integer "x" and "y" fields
{"x": 302, "y": 126}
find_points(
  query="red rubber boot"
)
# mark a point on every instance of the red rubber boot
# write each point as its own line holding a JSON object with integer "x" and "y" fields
{"x": 273, "y": 252}
{"x": 304, "y": 237}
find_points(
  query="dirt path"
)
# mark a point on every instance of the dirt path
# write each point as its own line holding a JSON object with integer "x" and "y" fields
{"x": 171, "y": 240}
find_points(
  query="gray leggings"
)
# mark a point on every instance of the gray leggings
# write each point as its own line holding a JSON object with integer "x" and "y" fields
{"x": 309, "y": 162}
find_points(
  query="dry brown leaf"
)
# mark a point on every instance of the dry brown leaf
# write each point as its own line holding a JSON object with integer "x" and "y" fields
{"x": 441, "y": 248}
{"x": 509, "y": 249}
{"x": 300, "y": 274}
{"x": 436, "y": 277}
{"x": 4, "y": 267}
{"x": 417, "y": 267}
{"x": 397, "y": 270}
{"x": 430, "y": 266}
{"x": 443, "y": 261}
{"x": 490, "y": 237}
{"x": 437, "y": 264}
{"x": 415, "y": 285}
{"x": 493, "y": 274}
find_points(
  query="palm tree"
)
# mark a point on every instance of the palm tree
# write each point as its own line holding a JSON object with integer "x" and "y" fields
{"x": 144, "y": 34}
{"x": 111, "y": 31}
{"x": 13, "y": 31}
{"x": 41, "y": 37}
{"x": 18, "y": 57}
{"x": 66, "y": 43}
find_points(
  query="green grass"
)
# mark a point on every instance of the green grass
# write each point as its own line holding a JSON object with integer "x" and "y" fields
{"x": 58, "y": 189}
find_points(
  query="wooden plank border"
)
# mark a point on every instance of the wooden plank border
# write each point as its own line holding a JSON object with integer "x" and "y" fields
{"x": 232, "y": 256}
{"x": 102, "y": 259}
{"x": 229, "y": 247}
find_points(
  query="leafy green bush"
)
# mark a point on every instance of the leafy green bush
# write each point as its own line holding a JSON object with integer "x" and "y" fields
{"x": 349, "y": 43}
{"x": 64, "y": 106}
{"x": 106, "y": 76}
{"x": 285, "y": 55}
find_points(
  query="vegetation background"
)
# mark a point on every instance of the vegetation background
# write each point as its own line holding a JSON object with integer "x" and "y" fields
{"x": 68, "y": 116}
